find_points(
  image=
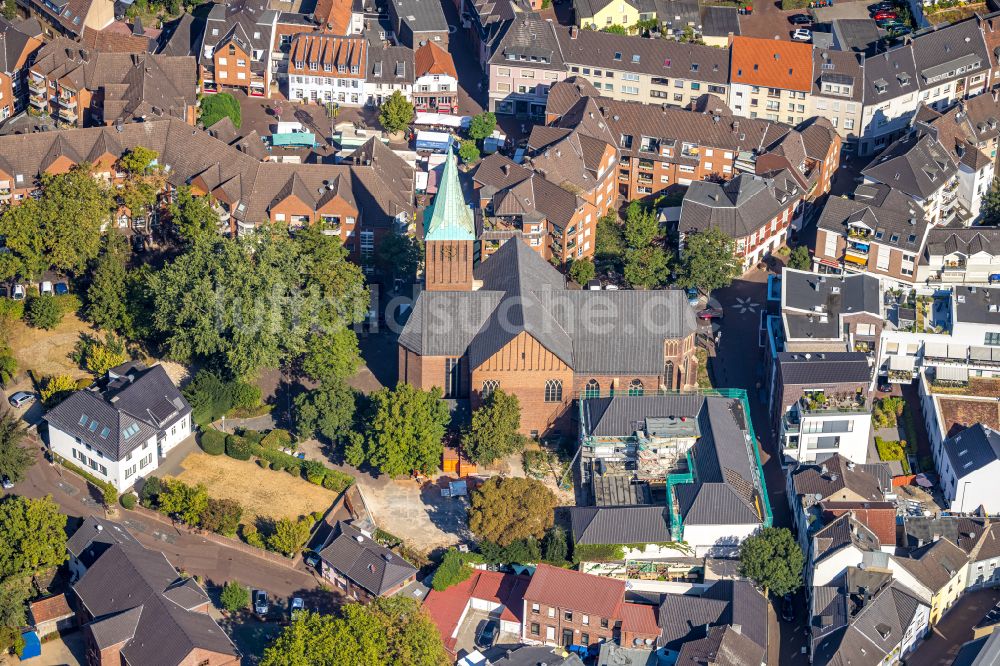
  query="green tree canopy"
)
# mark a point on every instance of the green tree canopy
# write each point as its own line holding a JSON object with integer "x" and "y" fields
{"x": 32, "y": 536}
{"x": 396, "y": 113}
{"x": 332, "y": 356}
{"x": 453, "y": 570}
{"x": 43, "y": 312}
{"x": 193, "y": 216}
{"x": 404, "y": 431}
{"x": 137, "y": 160}
{"x": 391, "y": 630}
{"x": 482, "y": 125}
{"x": 399, "y": 256}
{"x": 990, "y": 206}
{"x": 327, "y": 410}
{"x": 252, "y": 302}
{"x": 773, "y": 560}
{"x": 15, "y": 458}
{"x": 217, "y": 106}
{"x": 708, "y": 261}
{"x": 504, "y": 510}
{"x": 610, "y": 242}
{"x": 648, "y": 267}
{"x": 468, "y": 151}
{"x": 555, "y": 547}
{"x": 494, "y": 431}
{"x": 616, "y": 29}
{"x": 106, "y": 305}
{"x": 641, "y": 226}
{"x": 61, "y": 229}
{"x": 186, "y": 502}
{"x": 582, "y": 271}
{"x": 289, "y": 536}
{"x": 234, "y": 597}
{"x": 800, "y": 259}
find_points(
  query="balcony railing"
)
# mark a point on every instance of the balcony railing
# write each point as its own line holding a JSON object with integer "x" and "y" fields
{"x": 820, "y": 403}
{"x": 68, "y": 115}
{"x": 66, "y": 102}
{"x": 36, "y": 86}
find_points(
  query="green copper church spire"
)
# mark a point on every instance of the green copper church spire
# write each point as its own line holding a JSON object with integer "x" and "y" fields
{"x": 449, "y": 217}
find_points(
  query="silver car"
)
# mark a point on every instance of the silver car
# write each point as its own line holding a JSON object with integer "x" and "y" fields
{"x": 260, "y": 605}
{"x": 20, "y": 399}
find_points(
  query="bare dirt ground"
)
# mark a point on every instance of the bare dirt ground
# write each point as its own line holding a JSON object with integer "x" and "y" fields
{"x": 261, "y": 492}
{"x": 46, "y": 352}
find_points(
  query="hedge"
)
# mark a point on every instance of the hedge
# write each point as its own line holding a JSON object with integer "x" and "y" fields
{"x": 212, "y": 442}
{"x": 277, "y": 439}
{"x": 127, "y": 500}
{"x": 109, "y": 491}
{"x": 238, "y": 448}
{"x": 337, "y": 481}
{"x": 598, "y": 552}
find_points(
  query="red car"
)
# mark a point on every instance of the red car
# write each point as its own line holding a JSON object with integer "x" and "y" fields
{"x": 885, "y": 15}
{"x": 710, "y": 313}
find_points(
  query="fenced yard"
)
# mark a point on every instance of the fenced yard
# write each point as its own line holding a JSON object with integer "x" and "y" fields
{"x": 263, "y": 493}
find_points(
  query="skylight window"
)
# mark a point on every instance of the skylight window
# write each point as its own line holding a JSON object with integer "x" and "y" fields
{"x": 93, "y": 426}
{"x": 105, "y": 431}
{"x": 635, "y": 58}
{"x": 618, "y": 55}
{"x": 83, "y": 419}
{"x": 130, "y": 431}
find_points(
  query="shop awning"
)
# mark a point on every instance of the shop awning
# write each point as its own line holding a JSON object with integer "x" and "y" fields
{"x": 902, "y": 363}
{"x": 856, "y": 260}
{"x": 935, "y": 349}
{"x": 950, "y": 373}
{"x": 830, "y": 263}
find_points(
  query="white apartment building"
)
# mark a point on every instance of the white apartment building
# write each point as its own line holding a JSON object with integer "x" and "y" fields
{"x": 120, "y": 429}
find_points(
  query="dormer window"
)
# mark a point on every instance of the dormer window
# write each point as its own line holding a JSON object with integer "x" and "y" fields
{"x": 354, "y": 69}
{"x": 327, "y": 67}
{"x": 299, "y": 64}
{"x": 342, "y": 68}
{"x": 313, "y": 65}
{"x": 694, "y": 67}
{"x": 618, "y": 56}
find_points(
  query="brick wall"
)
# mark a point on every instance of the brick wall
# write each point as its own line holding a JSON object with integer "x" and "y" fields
{"x": 449, "y": 265}
{"x": 565, "y": 623}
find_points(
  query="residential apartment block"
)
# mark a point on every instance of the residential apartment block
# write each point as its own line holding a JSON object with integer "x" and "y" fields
{"x": 755, "y": 211}
{"x": 72, "y": 18}
{"x": 236, "y": 49}
{"x": 770, "y": 79}
{"x": 563, "y": 607}
{"x": 960, "y": 255}
{"x": 16, "y": 50}
{"x": 80, "y": 87}
{"x": 390, "y": 68}
{"x": 325, "y": 69}
{"x": 417, "y": 22}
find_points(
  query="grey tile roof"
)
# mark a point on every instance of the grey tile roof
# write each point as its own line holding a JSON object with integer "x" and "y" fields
{"x": 619, "y": 525}
{"x": 532, "y": 655}
{"x": 247, "y": 22}
{"x": 813, "y": 306}
{"x": 889, "y": 75}
{"x": 390, "y": 64}
{"x": 420, "y": 15}
{"x": 972, "y": 449}
{"x": 529, "y": 37}
{"x": 739, "y": 207}
{"x": 719, "y": 21}
{"x": 363, "y": 561}
{"x": 724, "y": 646}
{"x": 916, "y": 164}
{"x": 866, "y": 636}
{"x": 823, "y": 368}
{"x": 131, "y": 585}
{"x": 522, "y": 292}
{"x": 842, "y": 532}
{"x": 836, "y": 475}
{"x": 892, "y": 217}
{"x": 963, "y": 240}
{"x": 622, "y": 415}
{"x": 727, "y": 602}
{"x": 856, "y": 35}
{"x": 94, "y": 536}
{"x": 116, "y": 421}
{"x": 943, "y": 51}
{"x": 935, "y": 564}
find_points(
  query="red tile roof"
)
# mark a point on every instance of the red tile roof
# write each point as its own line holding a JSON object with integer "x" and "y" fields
{"x": 432, "y": 59}
{"x": 336, "y": 14}
{"x": 639, "y": 619}
{"x": 773, "y": 63}
{"x": 577, "y": 591}
{"x": 52, "y": 608}
{"x": 447, "y": 608}
{"x": 879, "y": 517}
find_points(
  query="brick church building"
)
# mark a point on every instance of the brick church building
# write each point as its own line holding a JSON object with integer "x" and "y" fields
{"x": 510, "y": 322}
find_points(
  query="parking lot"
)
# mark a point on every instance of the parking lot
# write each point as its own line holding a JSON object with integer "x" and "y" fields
{"x": 472, "y": 626}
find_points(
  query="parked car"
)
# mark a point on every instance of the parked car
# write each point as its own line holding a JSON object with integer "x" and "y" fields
{"x": 881, "y": 6}
{"x": 260, "y": 605}
{"x": 710, "y": 313}
{"x": 693, "y": 296}
{"x": 800, "y": 19}
{"x": 7, "y": 483}
{"x": 17, "y": 292}
{"x": 787, "y": 608}
{"x": 594, "y": 285}
{"x": 610, "y": 287}
{"x": 802, "y": 35}
{"x": 311, "y": 559}
{"x": 296, "y": 605}
{"x": 888, "y": 23}
{"x": 61, "y": 288}
{"x": 488, "y": 636}
{"x": 899, "y": 30}
{"x": 885, "y": 15}
{"x": 20, "y": 399}
{"x": 45, "y": 288}
{"x": 885, "y": 388}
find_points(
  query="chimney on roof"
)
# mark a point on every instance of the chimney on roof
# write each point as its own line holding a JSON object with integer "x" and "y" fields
{"x": 573, "y": 32}
{"x": 936, "y": 537}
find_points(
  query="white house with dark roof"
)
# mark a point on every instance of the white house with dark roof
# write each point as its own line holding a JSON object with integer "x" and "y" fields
{"x": 122, "y": 427}
{"x": 961, "y": 255}
{"x": 969, "y": 465}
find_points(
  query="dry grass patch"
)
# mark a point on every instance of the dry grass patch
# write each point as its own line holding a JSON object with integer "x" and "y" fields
{"x": 47, "y": 352}
{"x": 261, "y": 492}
